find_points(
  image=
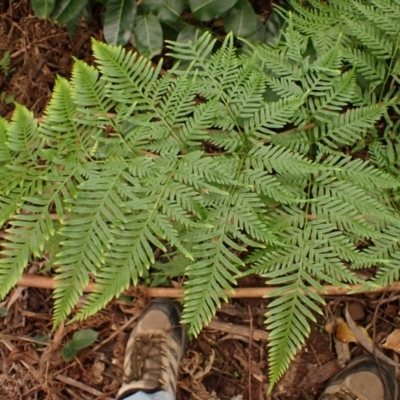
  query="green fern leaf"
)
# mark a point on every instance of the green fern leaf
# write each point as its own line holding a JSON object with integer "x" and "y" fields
{"x": 5, "y": 155}
{"x": 87, "y": 236}
{"x": 209, "y": 276}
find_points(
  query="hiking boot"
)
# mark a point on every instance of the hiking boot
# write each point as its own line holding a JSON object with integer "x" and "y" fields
{"x": 363, "y": 379}
{"x": 154, "y": 349}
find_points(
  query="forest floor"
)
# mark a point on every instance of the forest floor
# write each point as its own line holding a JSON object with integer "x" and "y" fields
{"x": 227, "y": 361}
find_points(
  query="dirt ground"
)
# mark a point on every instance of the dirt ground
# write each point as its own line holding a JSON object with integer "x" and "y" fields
{"x": 227, "y": 361}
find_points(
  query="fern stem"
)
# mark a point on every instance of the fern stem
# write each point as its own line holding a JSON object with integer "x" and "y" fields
{"x": 46, "y": 282}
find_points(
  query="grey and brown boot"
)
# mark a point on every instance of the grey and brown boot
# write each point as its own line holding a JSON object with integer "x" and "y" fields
{"x": 154, "y": 349}
{"x": 363, "y": 379}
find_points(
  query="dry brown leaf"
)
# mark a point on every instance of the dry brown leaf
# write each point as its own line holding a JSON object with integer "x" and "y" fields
{"x": 30, "y": 356}
{"x": 330, "y": 326}
{"x": 345, "y": 334}
{"x": 367, "y": 344}
{"x": 393, "y": 341}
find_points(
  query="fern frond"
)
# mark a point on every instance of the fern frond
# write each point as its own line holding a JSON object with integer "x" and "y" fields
{"x": 386, "y": 154}
{"x": 273, "y": 115}
{"x": 246, "y": 95}
{"x": 361, "y": 199}
{"x": 284, "y": 87}
{"x": 287, "y": 319}
{"x": 329, "y": 61}
{"x": 277, "y": 64}
{"x": 275, "y": 158}
{"x": 63, "y": 134}
{"x": 373, "y": 38}
{"x": 361, "y": 173}
{"x": 131, "y": 78}
{"x": 196, "y": 51}
{"x": 21, "y": 178}
{"x": 370, "y": 67}
{"x": 385, "y": 21}
{"x": 5, "y": 155}
{"x": 348, "y": 127}
{"x": 386, "y": 250}
{"x": 33, "y": 227}
{"x": 128, "y": 256}
{"x": 88, "y": 93}
{"x": 297, "y": 141}
{"x": 344, "y": 217}
{"x": 388, "y": 6}
{"x": 229, "y": 141}
{"x": 22, "y": 137}
{"x": 296, "y": 43}
{"x": 210, "y": 275}
{"x": 267, "y": 185}
{"x": 336, "y": 98}
{"x": 87, "y": 236}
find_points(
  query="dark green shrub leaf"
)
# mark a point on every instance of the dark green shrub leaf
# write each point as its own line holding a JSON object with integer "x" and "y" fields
{"x": 5, "y": 62}
{"x": 148, "y": 35}
{"x": 3, "y": 312}
{"x": 40, "y": 337}
{"x": 206, "y": 10}
{"x": 80, "y": 340}
{"x": 125, "y": 299}
{"x": 258, "y": 36}
{"x": 84, "y": 338}
{"x": 241, "y": 19}
{"x": 68, "y": 352}
{"x": 43, "y": 8}
{"x": 119, "y": 20}
{"x": 65, "y": 10}
{"x": 167, "y": 11}
{"x": 72, "y": 26}
{"x": 274, "y": 27}
{"x": 190, "y": 33}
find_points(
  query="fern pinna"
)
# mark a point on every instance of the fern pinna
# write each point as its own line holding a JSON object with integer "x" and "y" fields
{"x": 237, "y": 162}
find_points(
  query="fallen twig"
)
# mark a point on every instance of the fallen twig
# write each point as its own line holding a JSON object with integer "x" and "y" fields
{"x": 116, "y": 333}
{"x": 249, "y": 350}
{"x": 46, "y": 282}
{"x": 238, "y": 330}
{"x": 11, "y": 347}
{"x": 81, "y": 386}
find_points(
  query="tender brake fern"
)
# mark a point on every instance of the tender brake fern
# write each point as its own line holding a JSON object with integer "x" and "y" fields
{"x": 238, "y": 163}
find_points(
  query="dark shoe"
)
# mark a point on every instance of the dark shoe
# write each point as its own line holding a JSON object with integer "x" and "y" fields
{"x": 154, "y": 349}
{"x": 363, "y": 379}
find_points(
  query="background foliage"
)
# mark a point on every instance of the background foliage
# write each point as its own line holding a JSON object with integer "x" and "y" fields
{"x": 150, "y": 21}
{"x": 280, "y": 159}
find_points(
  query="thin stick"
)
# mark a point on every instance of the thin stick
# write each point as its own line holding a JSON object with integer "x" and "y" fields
{"x": 22, "y": 338}
{"x": 11, "y": 347}
{"x": 249, "y": 349}
{"x": 116, "y": 333}
{"x": 46, "y": 282}
{"x": 237, "y": 330}
{"x": 81, "y": 386}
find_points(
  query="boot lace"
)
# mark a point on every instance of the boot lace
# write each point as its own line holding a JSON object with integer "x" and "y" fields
{"x": 146, "y": 360}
